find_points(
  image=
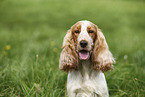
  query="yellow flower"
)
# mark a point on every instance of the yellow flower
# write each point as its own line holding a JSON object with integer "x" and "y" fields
{"x": 8, "y": 47}
{"x": 55, "y": 50}
{"x": 52, "y": 43}
{"x": 4, "y": 53}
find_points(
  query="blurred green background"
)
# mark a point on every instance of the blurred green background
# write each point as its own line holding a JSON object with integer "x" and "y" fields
{"x": 32, "y": 31}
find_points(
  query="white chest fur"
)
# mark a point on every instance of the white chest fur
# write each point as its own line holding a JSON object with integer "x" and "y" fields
{"x": 86, "y": 82}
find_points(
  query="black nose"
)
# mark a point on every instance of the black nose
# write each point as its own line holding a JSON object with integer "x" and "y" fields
{"x": 83, "y": 44}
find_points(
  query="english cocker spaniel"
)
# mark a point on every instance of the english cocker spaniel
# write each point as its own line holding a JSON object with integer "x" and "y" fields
{"x": 85, "y": 56}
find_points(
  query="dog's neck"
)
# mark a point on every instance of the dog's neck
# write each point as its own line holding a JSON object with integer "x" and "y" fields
{"x": 85, "y": 68}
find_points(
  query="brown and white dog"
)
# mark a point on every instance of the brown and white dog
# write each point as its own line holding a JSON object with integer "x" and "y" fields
{"x": 85, "y": 56}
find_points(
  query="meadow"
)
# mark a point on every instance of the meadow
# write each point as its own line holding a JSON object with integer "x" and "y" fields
{"x": 31, "y": 35}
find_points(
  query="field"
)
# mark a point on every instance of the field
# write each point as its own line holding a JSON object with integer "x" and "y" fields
{"x": 31, "y": 35}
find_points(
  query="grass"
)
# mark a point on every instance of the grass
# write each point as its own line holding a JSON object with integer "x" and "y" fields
{"x": 32, "y": 31}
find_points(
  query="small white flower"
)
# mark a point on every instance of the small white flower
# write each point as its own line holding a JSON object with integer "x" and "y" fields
{"x": 125, "y": 57}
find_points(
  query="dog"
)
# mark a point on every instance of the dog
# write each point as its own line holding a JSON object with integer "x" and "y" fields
{"x": 85, "y": 56}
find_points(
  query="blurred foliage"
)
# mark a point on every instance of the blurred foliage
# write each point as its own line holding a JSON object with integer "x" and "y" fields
{"x": 31, "y": 34}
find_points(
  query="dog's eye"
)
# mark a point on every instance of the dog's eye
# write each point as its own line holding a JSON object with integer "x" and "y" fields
{"x": 90, "y": 31}
{"x": 77, "y": 31}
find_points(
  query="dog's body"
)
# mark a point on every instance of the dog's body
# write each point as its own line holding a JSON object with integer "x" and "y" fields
{"x": 84, "y": 56}
{"x": 86, "y": 82}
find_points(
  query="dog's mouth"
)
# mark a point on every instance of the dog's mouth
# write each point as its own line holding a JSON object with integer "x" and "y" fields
{"x": 84, "y": 55}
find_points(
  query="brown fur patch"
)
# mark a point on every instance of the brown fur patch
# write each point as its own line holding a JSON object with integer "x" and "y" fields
{"x": 74, "y": 28}
{"x": 94, "y": 34}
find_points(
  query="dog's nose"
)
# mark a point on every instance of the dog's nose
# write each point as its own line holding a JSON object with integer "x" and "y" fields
{"x": 83, "y": 44}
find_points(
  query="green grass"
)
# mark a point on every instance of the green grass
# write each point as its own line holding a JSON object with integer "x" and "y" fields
{"x": 32, "y": 31}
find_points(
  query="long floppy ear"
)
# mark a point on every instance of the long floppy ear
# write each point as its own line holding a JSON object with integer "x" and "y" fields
{"x": 102, "y": 57}
{"x": 68, "y": 57}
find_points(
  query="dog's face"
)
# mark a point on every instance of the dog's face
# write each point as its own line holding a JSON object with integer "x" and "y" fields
{"x": 84, "y": 35}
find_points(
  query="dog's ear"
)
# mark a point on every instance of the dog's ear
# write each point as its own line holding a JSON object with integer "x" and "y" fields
{"x": 68, "y": 57}
{"x": 101, "y": 57}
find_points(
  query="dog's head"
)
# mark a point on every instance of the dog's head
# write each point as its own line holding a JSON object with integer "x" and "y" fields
{"x": 88, "y": 42}
{"x": 84, "y": 34}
